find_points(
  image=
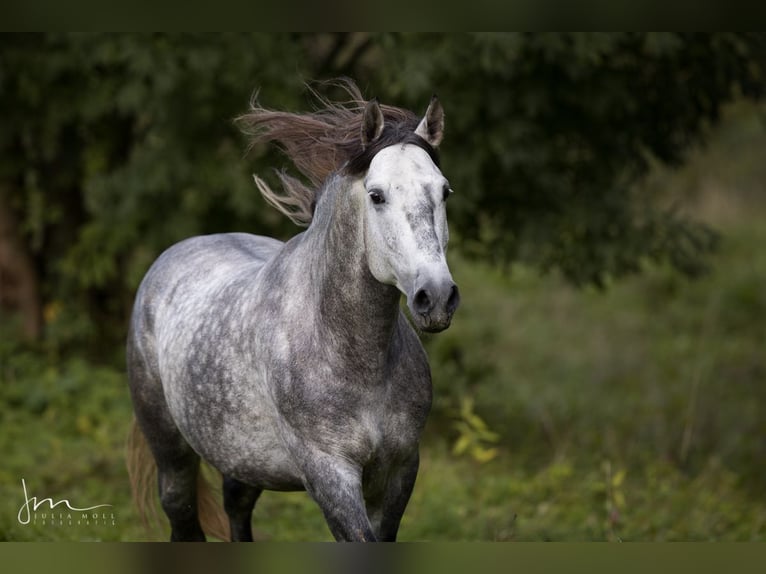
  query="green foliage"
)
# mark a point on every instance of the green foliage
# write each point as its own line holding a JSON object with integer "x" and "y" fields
{"x": 635, "y": 413}
{"x": 589, "y": 394}
{"x": 474, "y": 436}
{"x": 562, "y": 366}
{"x": 119, "y": 145}
{"x": 64, "y": 430}
{"x": 573, "y": 500}
{"x": 549, "y": 132}
{"x": 114, "y": 146}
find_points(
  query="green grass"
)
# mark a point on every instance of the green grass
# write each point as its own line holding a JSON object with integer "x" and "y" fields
{"x": 638, "y": 413}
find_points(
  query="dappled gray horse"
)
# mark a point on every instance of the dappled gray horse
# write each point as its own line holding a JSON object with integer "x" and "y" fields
{"x": 290, "y": 366}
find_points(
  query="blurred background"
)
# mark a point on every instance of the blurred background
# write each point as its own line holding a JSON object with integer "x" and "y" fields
{"x": 605, "y": 376}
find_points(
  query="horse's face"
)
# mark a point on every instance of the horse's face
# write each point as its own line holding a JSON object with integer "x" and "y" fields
{"x": 406, "y": 232}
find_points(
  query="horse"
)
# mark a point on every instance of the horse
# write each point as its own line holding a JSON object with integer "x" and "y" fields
{"x": 292, "y": 366}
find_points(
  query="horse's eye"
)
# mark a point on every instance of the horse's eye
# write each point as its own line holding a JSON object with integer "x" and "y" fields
{"x": 376, "y": 196}
{"x": 446, "y": 191}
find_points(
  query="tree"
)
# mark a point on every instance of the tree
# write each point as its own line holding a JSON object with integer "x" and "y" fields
{"x": 115, "y": 146}
{"x": 548, "y": 135}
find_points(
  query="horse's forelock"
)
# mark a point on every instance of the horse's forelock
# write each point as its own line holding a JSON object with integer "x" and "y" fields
{"x": 399, "y": 134}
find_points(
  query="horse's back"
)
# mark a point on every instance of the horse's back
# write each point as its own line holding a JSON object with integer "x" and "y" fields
{"x": 208, "y": 259}
{"x": 183, "y": 278}
{"x": 211, "y": 257}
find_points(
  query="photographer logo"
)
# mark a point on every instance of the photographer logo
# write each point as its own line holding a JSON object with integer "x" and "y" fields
{"x": 46, "y": 512}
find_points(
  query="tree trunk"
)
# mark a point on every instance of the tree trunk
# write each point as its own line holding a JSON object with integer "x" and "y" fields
{"x": 19, "y": 281}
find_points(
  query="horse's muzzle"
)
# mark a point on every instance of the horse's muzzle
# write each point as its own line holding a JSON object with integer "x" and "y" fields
{"x": 433, "y": 305}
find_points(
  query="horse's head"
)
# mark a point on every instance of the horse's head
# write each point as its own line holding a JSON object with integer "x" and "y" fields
{"x": 406, "y": 218}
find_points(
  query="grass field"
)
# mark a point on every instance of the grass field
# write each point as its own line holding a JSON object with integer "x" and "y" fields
{"x": 638, "y": 413}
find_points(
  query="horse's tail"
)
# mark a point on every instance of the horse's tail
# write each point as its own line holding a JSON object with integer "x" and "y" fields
{"x": 212, "y": 517}
{"x": 142, "y": 470}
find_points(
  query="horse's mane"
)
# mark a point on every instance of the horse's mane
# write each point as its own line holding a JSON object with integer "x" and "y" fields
{"x": 322, "y": 142}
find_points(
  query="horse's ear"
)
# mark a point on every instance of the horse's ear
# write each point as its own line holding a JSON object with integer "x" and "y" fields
{"x": 431, "y": 127}
{"x": 372, "y": 123}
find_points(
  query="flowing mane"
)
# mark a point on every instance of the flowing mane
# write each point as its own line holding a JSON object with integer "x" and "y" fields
{"x": 322, "y": 142}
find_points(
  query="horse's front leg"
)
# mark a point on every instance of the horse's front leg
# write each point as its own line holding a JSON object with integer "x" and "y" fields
{"x": 386, "y": 506}
{"x": 336, "y": 486}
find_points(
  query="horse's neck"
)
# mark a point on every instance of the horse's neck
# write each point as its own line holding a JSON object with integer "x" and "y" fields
{"x": 350, "y": 298}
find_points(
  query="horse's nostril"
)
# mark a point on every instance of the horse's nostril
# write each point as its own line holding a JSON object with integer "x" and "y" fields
{"x": 454, "y": 299}
{"x": 422, "y": 302}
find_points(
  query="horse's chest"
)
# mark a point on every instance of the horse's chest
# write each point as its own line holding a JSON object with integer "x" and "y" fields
{"x": 389, "y": 430}
{"x": 391, "y": 421}
{"x": 352, "y": 405}
{"x": 363, "y": 426}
